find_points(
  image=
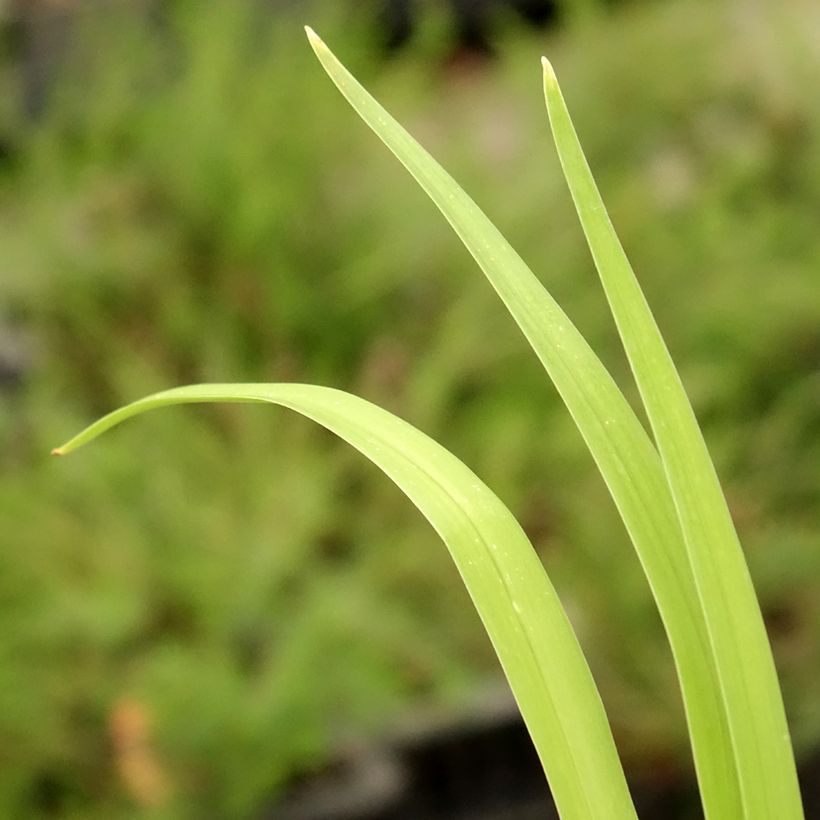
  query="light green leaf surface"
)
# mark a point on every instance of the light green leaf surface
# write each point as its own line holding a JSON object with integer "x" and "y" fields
{"x": 748, "y": 679}
{"x": 516, "y": 601}
{"x": 620, "y": 446}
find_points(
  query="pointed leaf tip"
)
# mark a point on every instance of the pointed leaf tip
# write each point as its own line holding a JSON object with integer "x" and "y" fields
{"x": 315, "y": 39}
{"x": 549, "y": 72}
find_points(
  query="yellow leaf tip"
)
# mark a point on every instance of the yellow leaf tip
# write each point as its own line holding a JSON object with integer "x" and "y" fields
{"x": 58, "y": 451}
{"x": 549, "y": 72}
{"x": 315, "y": 39}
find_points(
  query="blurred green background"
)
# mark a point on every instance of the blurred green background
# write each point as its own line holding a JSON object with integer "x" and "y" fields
{"x": 185, "y": 197}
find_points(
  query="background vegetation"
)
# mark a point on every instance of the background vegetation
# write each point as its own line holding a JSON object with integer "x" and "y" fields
{"x": 208, "y": 601}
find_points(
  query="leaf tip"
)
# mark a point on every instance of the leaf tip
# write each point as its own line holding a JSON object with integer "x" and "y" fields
{"x": 550, "y": 79}
{"x": 58, "y": 451}
{"x": 315, "y": 40}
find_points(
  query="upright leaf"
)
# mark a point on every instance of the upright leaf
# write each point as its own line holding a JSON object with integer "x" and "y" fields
{"x": 748, "y": 680}
{"x": 620, "y": 446}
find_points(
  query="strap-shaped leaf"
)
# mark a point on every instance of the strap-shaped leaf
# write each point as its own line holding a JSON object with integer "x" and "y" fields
{"x": 516, "y": 601}
{"x": 620, "y": 446}
{"x": 748, "y": 679}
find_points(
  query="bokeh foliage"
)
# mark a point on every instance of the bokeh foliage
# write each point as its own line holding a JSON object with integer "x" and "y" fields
{"x": 234, "y": 593}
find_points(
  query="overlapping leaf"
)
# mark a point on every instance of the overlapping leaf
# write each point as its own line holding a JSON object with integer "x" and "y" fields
{"x": 620, "y": 446}
{"x": 748, "y": 680}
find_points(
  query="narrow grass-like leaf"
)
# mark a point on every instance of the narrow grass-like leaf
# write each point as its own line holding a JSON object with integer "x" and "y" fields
{"x": 620, "y": 446}
{"x": 748, "y": 679}
{"x": 516, "y": 601}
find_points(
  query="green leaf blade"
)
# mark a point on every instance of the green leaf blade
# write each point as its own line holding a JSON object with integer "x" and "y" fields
{"x": 742, "y": 656}
{"x": 512, "y": 593}
{"x": 618, "y": 443}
